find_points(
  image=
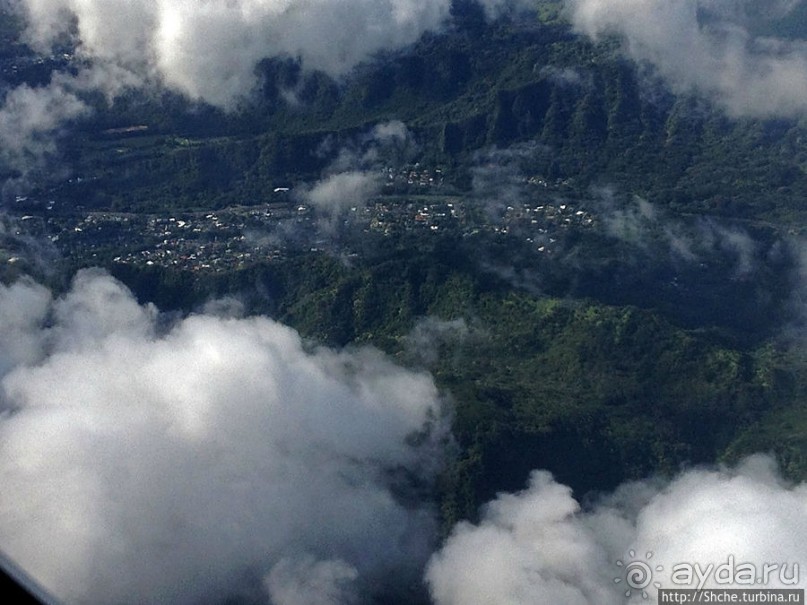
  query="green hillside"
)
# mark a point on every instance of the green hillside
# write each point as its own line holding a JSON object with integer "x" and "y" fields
{"x": 612, "y": 360}
{"x": 597, "y": 394}
{"x": 595, "y": 118}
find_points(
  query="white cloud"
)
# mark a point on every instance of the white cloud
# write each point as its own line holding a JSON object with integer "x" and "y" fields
{"x": 706, "y": 46}
{"x": 30, "y": 117}
{"x": 209, "y": 50}
{"x": 24, "y": 307}
{"x": 530, "y": 547}
{"x": 393, "y": 131}
{"x": 336, "y": 193}
{"x": 157, "y": 465}
{"x": 540, "y": 546}
{"x": 355, "y": 175}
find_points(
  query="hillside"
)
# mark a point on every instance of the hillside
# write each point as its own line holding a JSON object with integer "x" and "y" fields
{"x": 601, "y": 270}
{"x": 592, "y": 116}
{"x": 565, "y": 362}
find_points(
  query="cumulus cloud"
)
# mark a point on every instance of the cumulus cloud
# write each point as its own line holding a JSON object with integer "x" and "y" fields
{"x": 392, "y": 131}
{"x": 29, "y": 120}
{"x": 708, "y": 46}
{"x": 153, "y": 464}
{"x": 23, "y": 309}
{"x": 33, "y": 119}
{"x": 541, "y": 546}
{"x": 209, "y": 50}
{"x": 338, "y": 192}
{"x": 355, "y": 175}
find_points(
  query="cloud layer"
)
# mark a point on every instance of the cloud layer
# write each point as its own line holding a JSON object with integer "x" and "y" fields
{"x": 151, "y": 462}
{"x": 209, "y": 50}
{"x": 153, "y": 465}
{"x": 707, "y": 46}
{"x": 540, "y": 546}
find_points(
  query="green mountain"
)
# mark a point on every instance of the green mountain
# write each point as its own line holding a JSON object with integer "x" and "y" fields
{"x": 596, "y": 116}
{"x": 597, "y": 364}
{"x": 596, "y": 393}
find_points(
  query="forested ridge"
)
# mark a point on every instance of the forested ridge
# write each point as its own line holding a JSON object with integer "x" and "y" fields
{"x": 597, "y": 365}
{"x": 597, "y": 118}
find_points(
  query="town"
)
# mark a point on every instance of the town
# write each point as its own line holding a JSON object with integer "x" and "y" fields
{"x": 238, "y": 236}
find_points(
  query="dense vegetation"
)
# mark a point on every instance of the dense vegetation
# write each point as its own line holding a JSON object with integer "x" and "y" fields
{"x": 595, "y": 393}
{"x": 592, "y": 117}
{"x": 598, "y": 365}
